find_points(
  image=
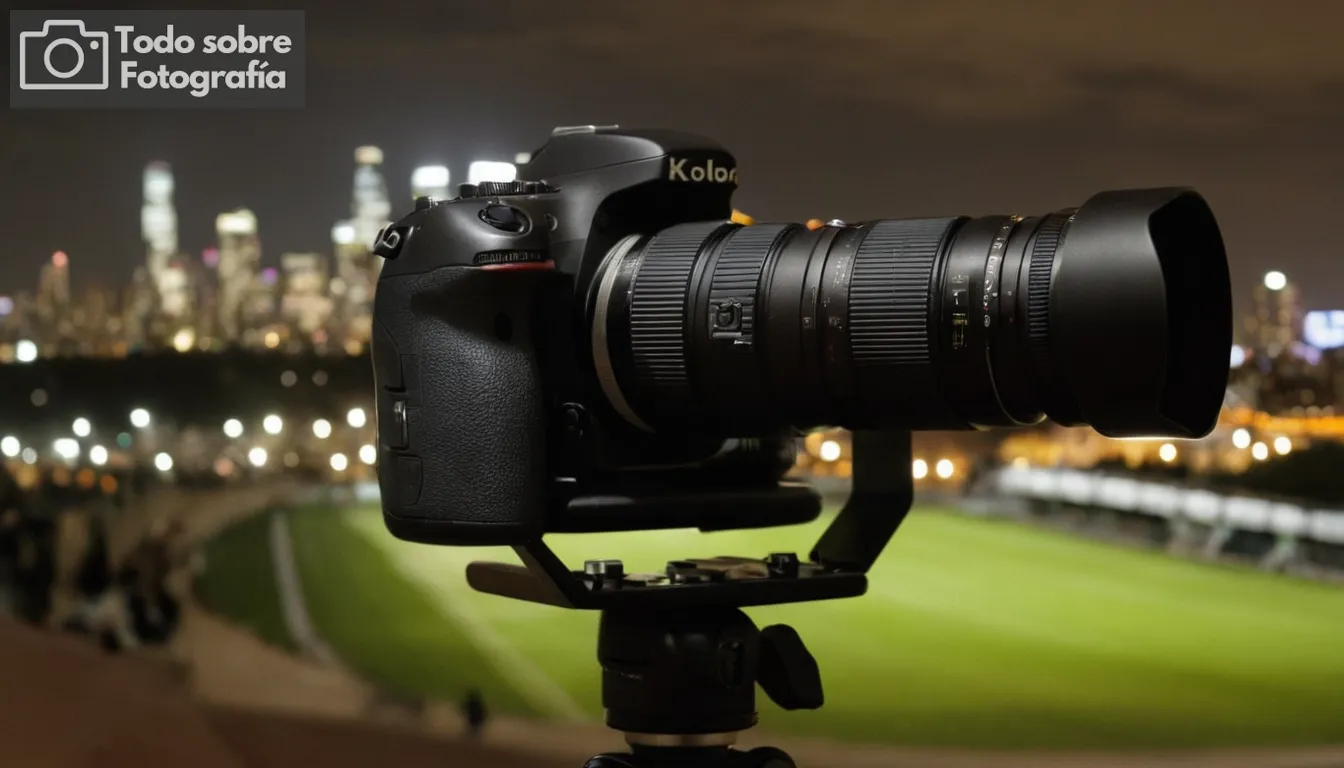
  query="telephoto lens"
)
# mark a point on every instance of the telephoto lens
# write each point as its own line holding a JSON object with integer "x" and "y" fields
{"x": 1116, "y": 315}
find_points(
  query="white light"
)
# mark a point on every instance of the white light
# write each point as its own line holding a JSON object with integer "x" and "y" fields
{"x": 140, "y": 418}
{"x": 67, "y": 448}
{"x": 1238, "y": 356}
{"x": 257, "y": 457}
{"x": 1167, "y": 452}
{"x": 489, "y": 170}
{"x": 344, "y": 233}
{"x": 430, "y": 180}
{"x": 25, "y": 351}
{"x": 98, "y": 455}
{"x": 1260, "y": 451}
{"x": 357, "y": 418}
{"x": 322, "y": 429}
{"x": 830, "y": 451}
{"x": 10, "y": 446}
{"x": 81, "y": 427}
{"x": 920, "y": 469}
{"x": 339, "y": 462}
{"x": 944, "y": 468}
{"x": 29, "y": 456}
{"x": 273, "y": 424}
{"x": 239, "y": 222}
{"x": 368, "y": 155}
{"x": 1282, "y": 445}
{"x": 368, "y": 454}
{"x": 163, "y": 462}
{"x": 233, "y": 428}
{"x": 522, "y": 158}
{"x": 184, "y": 340}
{"x": 1275, "y": 280}
{"x": 1241, "y": 439}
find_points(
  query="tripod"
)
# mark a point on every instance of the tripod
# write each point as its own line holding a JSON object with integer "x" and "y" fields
{"x": 680, "y": 661}
{"x": 681, "y": 684}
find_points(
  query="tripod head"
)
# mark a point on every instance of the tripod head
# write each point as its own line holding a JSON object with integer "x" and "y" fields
{"x": 680, "y": 660}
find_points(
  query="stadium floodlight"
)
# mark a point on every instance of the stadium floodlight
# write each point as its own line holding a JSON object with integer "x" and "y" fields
{"x": 67, "y": 448}
{"x": 1241, "y": 439}
{"x": 944, "y": 468}
{"x": 98, "y": 455}
{"x": 368, "y": 454}
{"x": 491, "y": 170}
{"x": 1283, "y": 445}
{"x": 257, "y": 457}
{"x": 829, "y": 451}
{"x": 25, "y": 351}
{"x": 163, "y": 462}
{"x": 29, "y": 456}
{"x": 10, "y": 446}
{"x": 357, "y": 418}
{"x": 919, "y": 469}
{"x": 1167, "y": 452}
{"x": 233, "y": 428}
{"x": 339, "y": 462}
{"x": 81, "y": 427}
{"x": 140, "y": 418}
{"x": 273, "y": 424}
{"x": 1260, "y": 451}
{"x": 322, "y": 429}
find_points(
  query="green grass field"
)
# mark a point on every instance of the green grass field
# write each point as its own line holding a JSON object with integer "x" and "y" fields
{"x": 239, "y": 580}
{"x": 974, "y": 633}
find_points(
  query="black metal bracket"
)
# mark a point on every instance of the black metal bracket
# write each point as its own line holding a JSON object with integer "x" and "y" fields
{"x": 879, "y": 500}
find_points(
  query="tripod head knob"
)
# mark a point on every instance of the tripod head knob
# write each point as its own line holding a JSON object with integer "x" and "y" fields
{"x": 787, "y": 671}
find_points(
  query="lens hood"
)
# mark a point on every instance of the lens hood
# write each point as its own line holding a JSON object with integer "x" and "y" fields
{"x": 1141, "y": 313}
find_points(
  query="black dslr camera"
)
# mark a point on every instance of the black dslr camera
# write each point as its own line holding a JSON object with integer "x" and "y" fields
{"x": 597, "y": 347}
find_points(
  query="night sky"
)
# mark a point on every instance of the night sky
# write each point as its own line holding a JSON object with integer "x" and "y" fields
{"x": 850, "y": 109}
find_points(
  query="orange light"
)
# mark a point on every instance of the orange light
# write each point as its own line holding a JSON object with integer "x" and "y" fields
{"x": 742, "y": 218}
{"x": 815, "y": 223}
{"x": 108, "y": 483}
{"x": 59, "y": 259}
{"x": 85, "y": 478}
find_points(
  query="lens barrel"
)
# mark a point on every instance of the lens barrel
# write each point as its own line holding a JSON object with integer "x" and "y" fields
{"x": 1115, "y": 315}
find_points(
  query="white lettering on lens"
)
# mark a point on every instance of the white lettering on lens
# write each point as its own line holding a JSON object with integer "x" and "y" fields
{"x": 707, "y": 172}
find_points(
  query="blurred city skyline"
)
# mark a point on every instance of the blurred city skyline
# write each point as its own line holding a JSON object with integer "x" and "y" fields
{"x": 855, "y": 110}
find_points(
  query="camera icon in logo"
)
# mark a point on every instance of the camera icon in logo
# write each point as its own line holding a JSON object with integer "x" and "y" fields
{"x": 64, "y": 56}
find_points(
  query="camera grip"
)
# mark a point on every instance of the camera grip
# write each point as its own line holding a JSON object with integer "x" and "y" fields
{"x": 461, "y": 427}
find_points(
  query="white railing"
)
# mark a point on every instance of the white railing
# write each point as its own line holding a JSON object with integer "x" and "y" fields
{"x": 1157, "y": 499}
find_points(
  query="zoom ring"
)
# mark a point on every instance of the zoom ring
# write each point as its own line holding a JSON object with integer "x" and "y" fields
{"x": 890, "y": 291}
{"x": 737, "y": 273}
{"x": 658, "y": 307}
{"x": 1043, "y": 250}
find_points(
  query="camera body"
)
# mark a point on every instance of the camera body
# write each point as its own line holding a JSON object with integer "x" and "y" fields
{"x": 42, "y": 53}
{"x": 495, "y": 424}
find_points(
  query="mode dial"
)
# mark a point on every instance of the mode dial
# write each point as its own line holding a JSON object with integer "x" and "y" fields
{"x": 502, "y": 189}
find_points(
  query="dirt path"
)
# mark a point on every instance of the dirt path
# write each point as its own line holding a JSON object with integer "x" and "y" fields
{"x": 229, "y": 667}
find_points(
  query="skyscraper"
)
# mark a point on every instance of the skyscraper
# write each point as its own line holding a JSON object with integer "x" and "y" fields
{"x": 430, "y": 181}
{"x": 1277, "y": 320}
{"x": 372, "y": 209}
{"x": 305, "y": 304}
{"x": 158, "y": 221}
{"x": 239, "y": 259}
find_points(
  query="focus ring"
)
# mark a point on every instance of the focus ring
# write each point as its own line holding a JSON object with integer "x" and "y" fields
{"x": 658, "y": 307}
{"x": 889, "y": 291}
{"x": 1043, "y": 251}
{"x": 737, "y": 273}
